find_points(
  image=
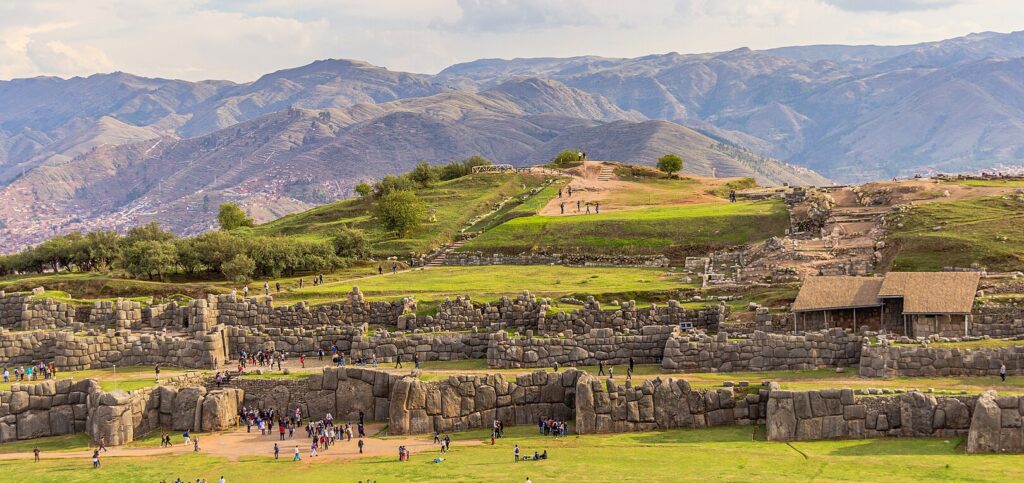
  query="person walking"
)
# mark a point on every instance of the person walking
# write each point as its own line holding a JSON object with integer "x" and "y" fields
{"x": 577, "y": 206}
{"x": 630, "y": 364}
{"x": 561, "y": 208}
{"x": 588, "y": 208}
{"x": 597, "y": 207}
{"x": 360, "y": 443}
{"x": 516, "y": 452}
{"x": 1002, "y": 372}
{"x": 35, "y": 452}
{"x": 600, "y": 368}
{"x": 394, "y": 268}
{"x": 277, "y": 449}
{"x": 157, "y": 371}
{"x": 416, "y": 360}
{"x": 296, "y": 457}
{"x": 195, "y": 444}
{"x": 398, "y": 361}
{"x": 380, "y": 270}
{"x": 96, "y": 459}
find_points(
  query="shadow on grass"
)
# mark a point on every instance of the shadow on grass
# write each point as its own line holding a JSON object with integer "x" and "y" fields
{"x": 883, "y": 447}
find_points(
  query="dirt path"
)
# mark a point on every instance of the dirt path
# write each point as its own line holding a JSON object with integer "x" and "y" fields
{"x": 237, "y": 443}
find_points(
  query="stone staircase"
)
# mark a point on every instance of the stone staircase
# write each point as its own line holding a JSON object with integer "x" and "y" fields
{"x": 439, "y": 260}
{"x": 606, "y": 173}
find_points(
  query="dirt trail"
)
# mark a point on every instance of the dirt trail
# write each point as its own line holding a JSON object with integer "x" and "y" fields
{"x": 237, "y": 443}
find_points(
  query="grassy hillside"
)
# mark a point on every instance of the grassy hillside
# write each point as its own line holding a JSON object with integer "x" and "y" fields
{"x": 987, "y": 231}
{"x": 450, "y": 205}
{"x": 675, "y": 231}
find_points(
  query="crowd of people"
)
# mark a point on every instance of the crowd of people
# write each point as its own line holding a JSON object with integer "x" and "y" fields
{"x": 32, "y": 372}
{"x": 580, "y": 204}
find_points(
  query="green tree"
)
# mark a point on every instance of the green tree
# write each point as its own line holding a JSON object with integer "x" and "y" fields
{"x": 364, "y": 189}
{"x": 238, "y": 269}
{"x": 400, "y": 211}
{"x": 392, "y": 183}
{"x": 567, "y": 158}
{"x": 151, "y": 257}
{"x": 232, "y": 216}
{"x": 189, "y": 256}
{"x": 462, "y": 168}
{"x": 351, "y": 243}
{"x": 149, "y": 231}
{"x": 423, "y": 174}
{"x": 103, "y": 247}
{"x": 217, "y": 247}
{"x": 670, "y": 164}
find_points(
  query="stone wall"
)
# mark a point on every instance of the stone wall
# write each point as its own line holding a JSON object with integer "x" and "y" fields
{"x": 93, "y": 350}
{"x": 426, "y": 346}
{"x": 837, "y": 414}
{"x": 598, "y": 345}
{"x": 612, "y": 407}
{"x": 996, "y": 425}
{"x": 762, "y": 352}
{"x": 57, "y": 407}
{"x": 468, "y": 402}
{"x": 233, "y": 310}
{"x": 918, "y": 361}
{"x": 341, "y": 391}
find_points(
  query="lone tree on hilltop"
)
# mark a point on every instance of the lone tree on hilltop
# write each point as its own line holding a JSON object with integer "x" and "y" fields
{"x": 400, "y": 211}
{"x": 232, "y": 216}
{"x": 670, "y": 164}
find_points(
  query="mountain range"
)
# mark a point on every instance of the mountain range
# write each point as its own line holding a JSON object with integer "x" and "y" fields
{"x": 114, "y": 150}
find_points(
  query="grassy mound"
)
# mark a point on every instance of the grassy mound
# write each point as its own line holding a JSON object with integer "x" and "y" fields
{"x": 986, "y": 231}
{"x": 451, "y": 205}
{"x": 674, "y": 231}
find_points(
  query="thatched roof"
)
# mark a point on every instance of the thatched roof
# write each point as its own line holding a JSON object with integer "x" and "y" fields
{"x": 827, "y": 293}
{"x": 932, "y": 292}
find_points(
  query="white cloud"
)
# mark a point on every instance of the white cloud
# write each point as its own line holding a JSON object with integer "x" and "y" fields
{"x": 502, "y": 16}
{"x": 242, "y": 39}
{"x": 54, "y": 56}
{"x": 890, "y": 5}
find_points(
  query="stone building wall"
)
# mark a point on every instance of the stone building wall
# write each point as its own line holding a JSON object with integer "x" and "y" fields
{"x": 837, "y": 414}
{"x": 762, "y": 352}
{"x": 918, "y": 361}
{"x": 598, "y": 345}
{"x": 609, "y": 407}
{"x": 12, "y": 308}
{"x": 341, "y": 391}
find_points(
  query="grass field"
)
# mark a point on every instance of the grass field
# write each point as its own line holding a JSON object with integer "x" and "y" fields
{"x": 983, "y": 230}
{"x": 451, "y": 204}
{"x": 490, "y": 283}
{"x": 997, "y": 183}
{"x": 716, "y": 454}
{"x": 675, "y": 231}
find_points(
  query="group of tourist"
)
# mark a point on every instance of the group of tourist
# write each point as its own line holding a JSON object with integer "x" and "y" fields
{"x": 552, "y": 427}
{"x": 537, "y": 456}
{"x": 261, "y": 358}
{"x": 32, "y": 372}
{"x": 579, "y": 203}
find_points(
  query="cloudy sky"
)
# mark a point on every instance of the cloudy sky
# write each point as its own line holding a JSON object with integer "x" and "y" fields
{"x": 242, "y": 39}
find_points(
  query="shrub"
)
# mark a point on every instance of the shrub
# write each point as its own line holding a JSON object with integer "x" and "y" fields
{"x": 350, "y": 243}
{"x": 238, "y": 269}
{"x": 231, "y": 216}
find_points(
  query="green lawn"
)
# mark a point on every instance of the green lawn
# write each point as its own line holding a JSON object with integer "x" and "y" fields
{"x": 675, "y": 231}
{"x": 492, "y": 282}
{"x": 995, "y": 183}
{"x": 450, "y": 204}
{"x": 982, "y": 230}
{"x": 716, "y": 454}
